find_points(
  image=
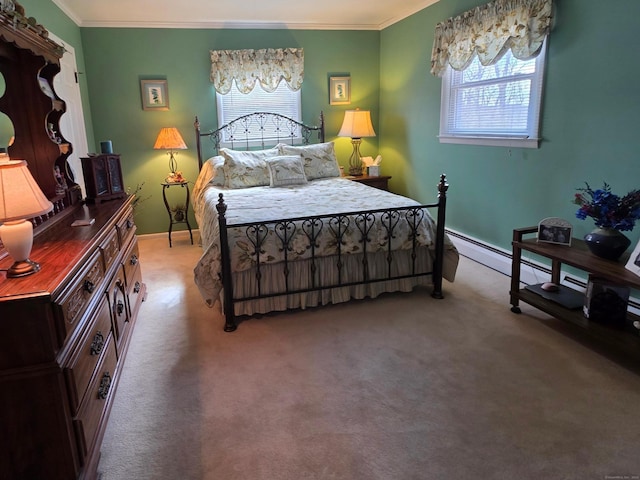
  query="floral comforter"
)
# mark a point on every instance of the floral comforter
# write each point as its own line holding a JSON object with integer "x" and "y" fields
{"x": 318, "y": 197}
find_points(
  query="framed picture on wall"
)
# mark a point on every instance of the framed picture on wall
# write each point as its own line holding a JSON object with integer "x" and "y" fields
{"x": 155, "y": 94}
{"x": 339, "y": 90}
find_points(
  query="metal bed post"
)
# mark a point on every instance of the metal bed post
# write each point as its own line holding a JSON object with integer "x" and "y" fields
{"x": 443, "y": 186}
{"x": 227, "y": 281}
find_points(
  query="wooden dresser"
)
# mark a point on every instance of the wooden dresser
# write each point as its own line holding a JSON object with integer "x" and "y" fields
{"x": 64, "y": 333}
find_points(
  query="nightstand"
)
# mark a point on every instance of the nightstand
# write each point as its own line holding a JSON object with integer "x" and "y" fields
{"x": 178, "y": 213}
{"x": 381, "y": 182}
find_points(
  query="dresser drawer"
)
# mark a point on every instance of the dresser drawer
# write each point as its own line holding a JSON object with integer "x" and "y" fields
{"x": 98, "y": 395}
{"x": 110, "y": 249}
{"x": 117, "y": 303}
{"x": 73, "y": 302}
{"x": 86, "y": 357}
{"x": 136, "y": 292}
{"x": 126, "y": 228}
{"x": 131, "y": 262}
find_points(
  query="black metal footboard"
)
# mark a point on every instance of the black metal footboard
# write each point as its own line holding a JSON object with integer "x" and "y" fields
{"x": 336, "y": 225}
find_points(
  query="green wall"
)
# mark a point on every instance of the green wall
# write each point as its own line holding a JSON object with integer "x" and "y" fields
{"x": 590, "y": 121}
{"x": 116, "y": 60}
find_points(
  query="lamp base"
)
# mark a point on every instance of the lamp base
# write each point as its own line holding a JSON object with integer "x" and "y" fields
{"x": 355, "y": 171}
{"x": 355, "y": 164}
{"x": 23, "y": 268}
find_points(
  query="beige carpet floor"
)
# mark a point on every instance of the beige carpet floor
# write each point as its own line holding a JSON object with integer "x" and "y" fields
{"x": 400, "y": 387}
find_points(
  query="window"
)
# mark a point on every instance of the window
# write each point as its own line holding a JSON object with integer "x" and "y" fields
{"x": 494, "y": 105}
{"x": 235, "y": 104}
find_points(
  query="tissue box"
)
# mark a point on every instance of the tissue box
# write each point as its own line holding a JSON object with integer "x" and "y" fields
{"x": 374, "y": 171}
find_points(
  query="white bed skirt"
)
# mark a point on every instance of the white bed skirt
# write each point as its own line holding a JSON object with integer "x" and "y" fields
{"x": 273, "y": 280}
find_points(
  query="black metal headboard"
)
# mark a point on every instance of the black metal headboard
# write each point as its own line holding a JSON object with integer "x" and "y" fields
{"x": 237, "y": 131}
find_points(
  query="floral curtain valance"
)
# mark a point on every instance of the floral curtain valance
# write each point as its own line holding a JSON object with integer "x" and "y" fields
{"x": 268, "y": 66}
{"x": 488, "y": 31}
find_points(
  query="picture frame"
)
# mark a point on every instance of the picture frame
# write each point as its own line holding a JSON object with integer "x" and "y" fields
{"x": 555, "y": 230}
{"x": 633, "y": 264}
{"x": 339, "y": 90}
{"x": 154, "y": 94}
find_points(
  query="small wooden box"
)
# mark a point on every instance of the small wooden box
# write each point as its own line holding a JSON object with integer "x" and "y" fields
{"x": 103, "y": 177}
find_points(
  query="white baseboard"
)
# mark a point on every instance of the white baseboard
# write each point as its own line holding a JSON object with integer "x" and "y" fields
{"x": 175, "y": 235}
{"x": 497, "y": 258}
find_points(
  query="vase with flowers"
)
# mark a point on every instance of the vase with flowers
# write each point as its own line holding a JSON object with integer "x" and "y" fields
{"x": 612, "y": 214}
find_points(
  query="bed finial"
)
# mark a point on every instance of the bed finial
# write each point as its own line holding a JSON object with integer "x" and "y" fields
{"x": 196, "y": 124}
{"x": 443, "y": 186}
{"x": 221, "y": 207}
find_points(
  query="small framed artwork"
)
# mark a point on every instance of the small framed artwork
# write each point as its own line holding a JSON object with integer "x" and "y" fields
{"x": 339, "y": 90}
{"x": 554, "y": 230}
{"x": 155, "y": 94}
{"x": 633, "y": 264}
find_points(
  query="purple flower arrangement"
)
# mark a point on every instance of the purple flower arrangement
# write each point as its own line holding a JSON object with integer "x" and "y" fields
{"x": 608, "y": 209}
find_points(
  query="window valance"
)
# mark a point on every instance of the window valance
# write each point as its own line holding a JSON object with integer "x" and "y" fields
{"x": 268, "y": 66}
{"x": 488, "y": 31}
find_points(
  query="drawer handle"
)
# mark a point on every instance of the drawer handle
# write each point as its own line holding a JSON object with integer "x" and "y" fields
{"x": 89, "y": 286}
{"x": 98, "y": 343}
{"x": 119, "y": 307}
{"x": 129, "y": 224}
{"x": 105, "y": 385}
{"x": 134, "y": 259}
{"x": 136, "y": 287}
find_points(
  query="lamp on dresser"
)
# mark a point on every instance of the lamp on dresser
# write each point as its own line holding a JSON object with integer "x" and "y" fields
{"x": 170, "y": 139}
{"x": 20, "y": 199}
{"x": 356, "y": 124}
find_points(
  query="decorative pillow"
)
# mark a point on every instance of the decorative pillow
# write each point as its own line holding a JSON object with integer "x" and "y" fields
{"x": 210, "y": 174}
{"x": 319, "y": 159}
{"x": 215, "y": 166}
{"x": 246, "y": 169}
{"x": 286, "y": 170}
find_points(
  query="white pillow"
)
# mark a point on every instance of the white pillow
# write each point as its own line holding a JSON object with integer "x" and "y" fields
{"x": 319, "y": 159}
{"x": 286, "y": 170}
{"x": 216, "y": 172}
{"x": 246, "y": 169}
{"x": 210, "y": 174}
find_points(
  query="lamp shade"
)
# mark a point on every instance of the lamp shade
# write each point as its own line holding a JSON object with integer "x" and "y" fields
{"x": 169, "y": 138}
{"x": 20, "y": 195}
{"x": 357, "y": 124}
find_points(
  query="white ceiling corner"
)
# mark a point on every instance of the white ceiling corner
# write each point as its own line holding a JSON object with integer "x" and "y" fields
{"x": 287, "y": 14}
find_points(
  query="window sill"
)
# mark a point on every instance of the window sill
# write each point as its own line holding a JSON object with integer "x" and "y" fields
{"x": 514, "y": 142}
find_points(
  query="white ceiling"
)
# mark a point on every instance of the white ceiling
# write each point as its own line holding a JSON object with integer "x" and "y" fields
{"x": 289, "y": 14}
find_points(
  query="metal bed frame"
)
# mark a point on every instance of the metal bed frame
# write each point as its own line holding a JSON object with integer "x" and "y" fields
{"x": 286, "y": 228}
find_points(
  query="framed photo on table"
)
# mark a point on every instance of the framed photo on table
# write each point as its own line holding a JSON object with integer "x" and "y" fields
{"x": 554, "y": 230}
{"x": 155, "y": 94}
{"x": 339, "y": 90}
{"x": 633, "y": 264}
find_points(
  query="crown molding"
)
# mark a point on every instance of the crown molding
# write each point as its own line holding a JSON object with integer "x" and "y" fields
{"x": 231, "y": 25}
{"x": 406, "y": 13}
{"x": 402, "y": 14}
{"x": 68, "y": 12}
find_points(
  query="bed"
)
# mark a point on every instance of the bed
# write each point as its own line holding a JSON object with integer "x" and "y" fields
{"x": 282, "y": 229}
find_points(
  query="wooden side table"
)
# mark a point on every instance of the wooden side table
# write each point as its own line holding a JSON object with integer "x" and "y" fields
{"x": 178, "y": 215}
{"x": 624, "y": 338}
{"x": 381, "y": 182}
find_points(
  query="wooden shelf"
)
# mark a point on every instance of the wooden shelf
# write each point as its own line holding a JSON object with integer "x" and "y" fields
{"x": 578, "y": 256}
